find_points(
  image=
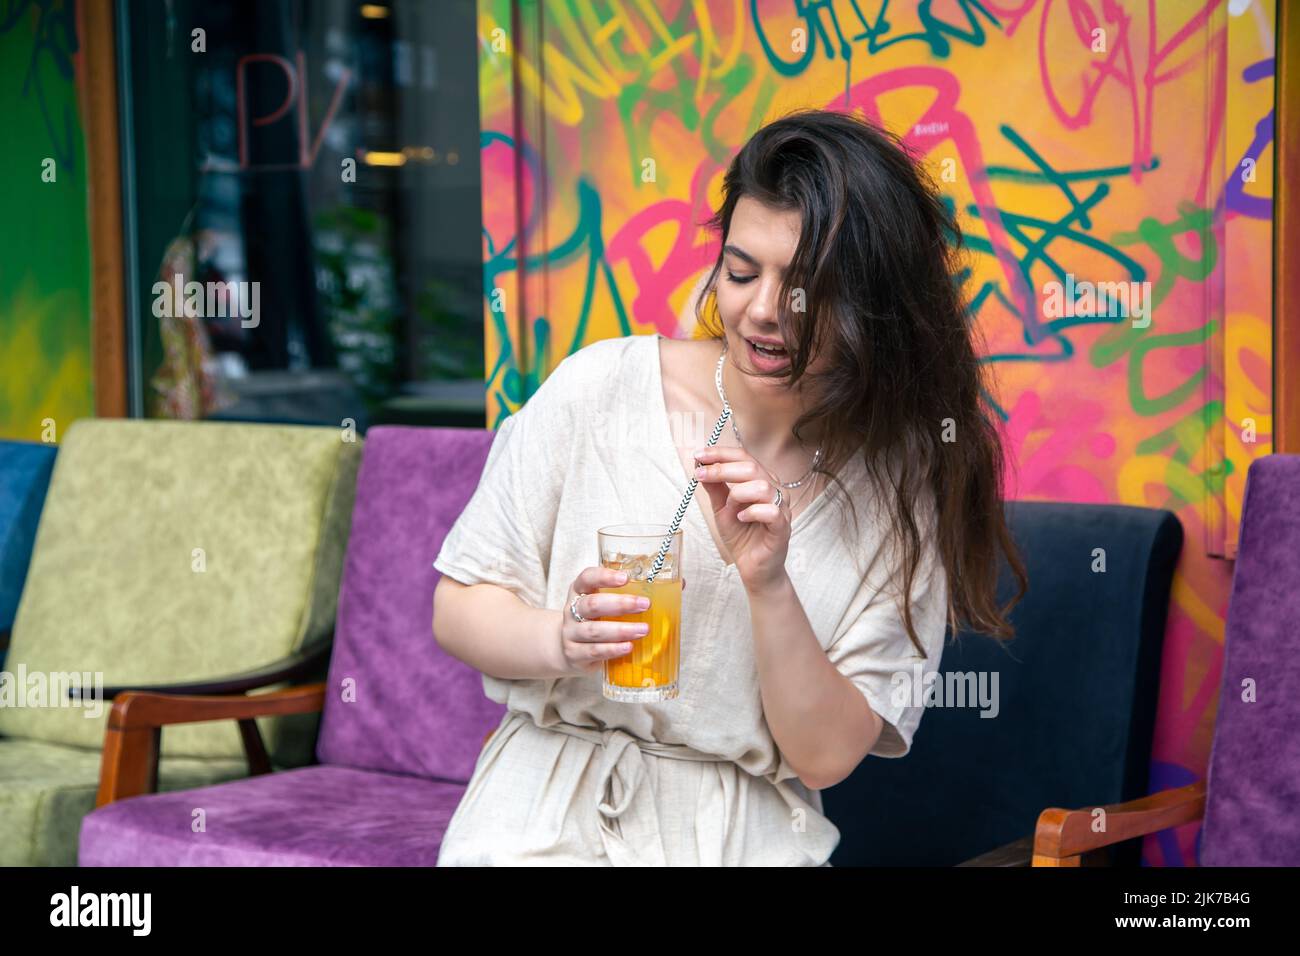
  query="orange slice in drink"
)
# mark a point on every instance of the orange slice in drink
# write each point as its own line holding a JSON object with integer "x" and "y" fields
{"x": 652, "y": 654}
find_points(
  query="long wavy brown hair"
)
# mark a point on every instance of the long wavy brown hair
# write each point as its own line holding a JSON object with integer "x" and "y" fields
{"x": 877, "y": 260}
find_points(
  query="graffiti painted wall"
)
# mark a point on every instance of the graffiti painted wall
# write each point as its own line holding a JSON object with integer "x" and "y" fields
{"x": 1093, "y": 149}
{"x": 45, "y": 361}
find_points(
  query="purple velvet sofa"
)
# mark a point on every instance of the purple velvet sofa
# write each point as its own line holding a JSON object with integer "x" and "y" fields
{"x": 403, "y": 722}
{"x": 1253, "y": 780}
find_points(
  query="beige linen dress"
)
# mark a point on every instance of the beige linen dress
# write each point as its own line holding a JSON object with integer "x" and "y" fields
{"x": 570, "y": 778}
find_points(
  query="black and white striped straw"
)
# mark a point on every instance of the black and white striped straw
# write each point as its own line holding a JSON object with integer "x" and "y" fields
{"x": 686, "y": 500}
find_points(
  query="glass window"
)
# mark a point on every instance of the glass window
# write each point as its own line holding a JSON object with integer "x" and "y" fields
{"x": 302, "y": 196}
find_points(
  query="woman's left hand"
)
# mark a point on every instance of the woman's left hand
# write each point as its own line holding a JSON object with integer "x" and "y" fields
{"x": 755, "y": 531}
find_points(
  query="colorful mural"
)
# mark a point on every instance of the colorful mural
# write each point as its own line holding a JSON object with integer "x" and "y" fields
{"x": 1082, "y": 142}
{"x": 45, "y": 362}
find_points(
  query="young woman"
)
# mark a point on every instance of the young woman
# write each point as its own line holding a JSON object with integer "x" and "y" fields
{"x": 849, "y": 517}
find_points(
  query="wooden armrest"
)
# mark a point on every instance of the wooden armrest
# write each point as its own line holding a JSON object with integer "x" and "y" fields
{"x": 302, "y": 664}
{"x": 135, "y": 710}
{"x": 1063, "y": 836}
{"x": 132, "y": 741}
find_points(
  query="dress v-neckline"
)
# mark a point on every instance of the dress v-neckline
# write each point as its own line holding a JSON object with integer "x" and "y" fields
{"x": 701, "y": 496}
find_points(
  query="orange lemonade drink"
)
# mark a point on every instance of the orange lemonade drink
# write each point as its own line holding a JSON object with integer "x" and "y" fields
{"x": 648, "y": 672}
{"x": 654, "y": 658}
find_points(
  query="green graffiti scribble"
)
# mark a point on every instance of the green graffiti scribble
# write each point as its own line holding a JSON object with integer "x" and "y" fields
{"x": 1187, "y": 437}
{"x": 1144, "y": 405}
{"x": 934, "y": 33}
{"x": 639, "y": 105}
{"x": 641, "y": 101}
{"x": 1047, "y": 175}
{"x": 721, "y": 152}
{"x": 1159, "y": 236}
{"x": 1013, "y": 174}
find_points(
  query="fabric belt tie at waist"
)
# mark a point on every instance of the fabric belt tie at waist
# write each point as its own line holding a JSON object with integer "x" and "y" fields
{"x": 621, "y": 792}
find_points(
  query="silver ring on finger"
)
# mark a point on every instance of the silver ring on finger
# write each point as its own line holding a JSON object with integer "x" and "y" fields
{"x": 779, "y": 498}
{"x": 573, "y": 611}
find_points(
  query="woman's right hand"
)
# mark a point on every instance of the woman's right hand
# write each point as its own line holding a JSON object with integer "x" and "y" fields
{"x": 585, "y": 646}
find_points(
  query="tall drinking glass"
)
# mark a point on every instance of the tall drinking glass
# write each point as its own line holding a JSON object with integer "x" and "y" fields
{"x": 649, "y": 671}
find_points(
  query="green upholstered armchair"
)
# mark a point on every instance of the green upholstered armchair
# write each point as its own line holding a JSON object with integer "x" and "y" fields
{"x": 182, "y": 555}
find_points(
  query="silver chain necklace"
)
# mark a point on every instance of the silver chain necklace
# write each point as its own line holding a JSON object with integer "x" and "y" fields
{"x": 722, "y": 394}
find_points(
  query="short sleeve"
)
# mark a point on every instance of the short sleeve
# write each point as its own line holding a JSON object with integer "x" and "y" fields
{"x": 876, "y": 654}
{"x": 504, "y": 534}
